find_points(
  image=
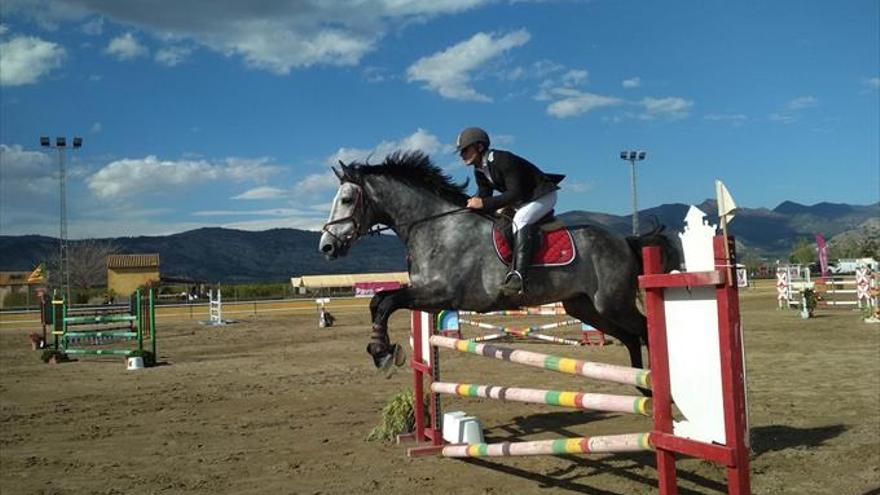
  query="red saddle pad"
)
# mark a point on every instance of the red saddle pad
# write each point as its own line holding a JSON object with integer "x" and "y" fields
{"x": 557, "y": 248}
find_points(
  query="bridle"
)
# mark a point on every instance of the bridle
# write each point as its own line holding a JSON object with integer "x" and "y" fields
{"x": 358, "y": 223}
{"x": 358, "y": 220}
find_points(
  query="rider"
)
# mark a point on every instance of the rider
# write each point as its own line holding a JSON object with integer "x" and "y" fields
{"x": 522, "y": 185}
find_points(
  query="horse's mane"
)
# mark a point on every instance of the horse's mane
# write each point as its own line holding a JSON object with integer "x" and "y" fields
{"x": 417, "y": 169}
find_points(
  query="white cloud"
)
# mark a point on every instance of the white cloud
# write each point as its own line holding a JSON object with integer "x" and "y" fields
{"x": 449, "y": 71}
{"x": 578, "y": 186}
{"x": 801, "y": 103}
{"x": 376, "y": 74}
{"x": 544, "y": 68}
{"x": 785, "y": 118}
{"x": 670, "y": 108}
{"x": 25, "y": 59}
{"x": 303, "y": 223}
{"x": 173, "y": 55}
{"x": 556, "y": 79}
{"x": 127, "y": 177}
{"x": 574, "y": 77}
{"x": 95, "y": 27}
{"x": 3, "y": 29}
{"x": 263, "y": 192}
{"x": 96, "y": 128}
{"x": 22, "y": 165}
{"x": 125, "y": 47}
{"x": 420, "y": 140}
{"x": 574, "y": 102}
{"x": 277, "y": 36}
{"x": 633, "y": 82}
{"x": 272, "y": 212}
{"x": 735, "y": 119}
{"x": 872, "y": 83}
{"x": 791, "y": 111}
{"x": 316, "y": 184}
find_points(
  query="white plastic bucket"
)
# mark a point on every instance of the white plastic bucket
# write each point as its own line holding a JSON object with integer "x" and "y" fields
{"x": 135, "y": 363}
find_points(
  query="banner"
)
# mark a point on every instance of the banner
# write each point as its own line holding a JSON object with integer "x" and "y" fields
{"x": 726, "y": 205}
{"x": 370, "y": 289}
{"x": 823, "y": 254}
{"x": 38, "y": 275}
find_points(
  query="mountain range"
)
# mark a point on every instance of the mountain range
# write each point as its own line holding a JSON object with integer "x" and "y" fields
{"x": 235, "y": 256}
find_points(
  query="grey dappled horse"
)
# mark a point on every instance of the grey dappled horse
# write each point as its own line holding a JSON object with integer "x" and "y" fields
{"x": 452, "y": 260}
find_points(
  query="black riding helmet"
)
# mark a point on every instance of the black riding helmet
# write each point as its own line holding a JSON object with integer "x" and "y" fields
{"x": 470, "y": 136}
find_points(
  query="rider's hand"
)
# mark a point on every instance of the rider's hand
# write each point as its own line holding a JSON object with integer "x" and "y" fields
{"x": 475, "y": 203}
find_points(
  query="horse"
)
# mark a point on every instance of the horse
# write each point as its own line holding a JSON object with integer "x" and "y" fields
{"x": 452, "y": 262}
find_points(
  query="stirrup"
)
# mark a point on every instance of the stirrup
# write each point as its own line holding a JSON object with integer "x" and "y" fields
{"x": 507, "y": 289}
{"x": 510, "y": 275}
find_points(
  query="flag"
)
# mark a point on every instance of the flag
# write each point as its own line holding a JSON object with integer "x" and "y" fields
{"x": 823, "y": 254}
{"x": 726, "y": 206}
{"x": 37, "y": 275}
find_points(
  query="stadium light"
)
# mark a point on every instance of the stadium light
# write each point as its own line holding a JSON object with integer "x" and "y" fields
{"x": 63, "y": 261}
{"x": 632, "y": 156}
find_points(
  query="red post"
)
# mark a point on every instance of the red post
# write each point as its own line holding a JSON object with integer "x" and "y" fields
{"x": 658, "y": 354}
{"x": 732, "y": 372}
{"x": 424, "y": 367}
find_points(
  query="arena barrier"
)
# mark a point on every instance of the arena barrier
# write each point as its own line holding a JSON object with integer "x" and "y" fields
{"x": 696, "y": 361}
{"x": 450, "y": 322}
{"x": 832, "y": 292}
{"x": 840, "y": 292}
{"x": 105, "y": 325}
{"x": 791, "y": 280}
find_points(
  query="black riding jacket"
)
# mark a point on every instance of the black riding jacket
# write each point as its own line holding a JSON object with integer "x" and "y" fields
{"x": 518, "y": 180}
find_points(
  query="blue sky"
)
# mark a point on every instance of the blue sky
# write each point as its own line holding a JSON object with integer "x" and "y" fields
{"x": 228, "y": 113}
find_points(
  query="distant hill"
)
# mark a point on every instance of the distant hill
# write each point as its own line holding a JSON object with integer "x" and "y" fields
{"x": 229, "y": 256}
{"x": 759, "y": 231}
{"x": 235, "y": 256}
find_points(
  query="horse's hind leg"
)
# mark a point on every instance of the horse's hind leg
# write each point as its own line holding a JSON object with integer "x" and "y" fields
{"x": 582, "y": 308}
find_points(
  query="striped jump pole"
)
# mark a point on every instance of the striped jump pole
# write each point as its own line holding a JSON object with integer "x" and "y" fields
{"x": 532, "y": 332}
{"x": 598, "y": 371}
{"x": 595, "y": 402}
{"x": 629, "y": 442}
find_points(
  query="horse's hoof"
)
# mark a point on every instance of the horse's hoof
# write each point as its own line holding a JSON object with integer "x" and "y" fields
{"x": 399, "y": 355}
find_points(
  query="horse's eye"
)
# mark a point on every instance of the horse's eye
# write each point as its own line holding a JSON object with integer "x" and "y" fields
{"x": 346, "y": 201}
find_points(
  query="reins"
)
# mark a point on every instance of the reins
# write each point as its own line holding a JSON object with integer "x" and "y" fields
{"x": 362, "y": 202}
{"x": 409, "y": 225}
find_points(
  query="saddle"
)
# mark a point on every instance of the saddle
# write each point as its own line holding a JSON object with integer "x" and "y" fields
{"x": 556, "y": 246}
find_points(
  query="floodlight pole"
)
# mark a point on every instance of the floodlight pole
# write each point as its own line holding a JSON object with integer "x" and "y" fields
{"x": 632, "y": 157}
{"x": 63, "y": 258}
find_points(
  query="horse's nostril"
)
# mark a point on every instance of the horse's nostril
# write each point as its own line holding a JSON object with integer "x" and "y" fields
{"x": 326, "y": 248}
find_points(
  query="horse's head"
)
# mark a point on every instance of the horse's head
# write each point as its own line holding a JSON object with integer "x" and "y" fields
{"x": 350, "y": 214}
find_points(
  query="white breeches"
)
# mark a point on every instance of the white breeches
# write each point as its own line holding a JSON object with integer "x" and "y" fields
{"x": 530, "y": 213}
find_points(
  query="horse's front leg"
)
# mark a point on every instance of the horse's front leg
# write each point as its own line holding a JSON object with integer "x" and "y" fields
{"x": 382, "y": 306}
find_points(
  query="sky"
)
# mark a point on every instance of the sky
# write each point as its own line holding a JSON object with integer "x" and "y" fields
{"x": 227, "y": 113}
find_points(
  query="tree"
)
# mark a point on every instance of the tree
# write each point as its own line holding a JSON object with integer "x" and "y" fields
{"x": 804, "y": 252}
{"x": 863, "y": 243}
{"x": 87, "y": 262}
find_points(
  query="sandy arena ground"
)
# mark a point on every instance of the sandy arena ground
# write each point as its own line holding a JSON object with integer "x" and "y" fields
{"x": 274, "y": 405}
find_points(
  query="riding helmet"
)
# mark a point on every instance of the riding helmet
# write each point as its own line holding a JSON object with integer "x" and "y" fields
{"x": 470, "y": 136}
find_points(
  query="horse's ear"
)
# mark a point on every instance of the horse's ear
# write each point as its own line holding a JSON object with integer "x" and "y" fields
{"x": 348, "y": 171}
{"x": 339, "y": 175}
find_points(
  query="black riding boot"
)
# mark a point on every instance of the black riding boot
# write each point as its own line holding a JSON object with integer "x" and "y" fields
{"x": 515, "y": 282}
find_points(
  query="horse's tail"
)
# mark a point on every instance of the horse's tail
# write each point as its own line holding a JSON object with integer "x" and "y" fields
{"x": 669, "y": 254}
